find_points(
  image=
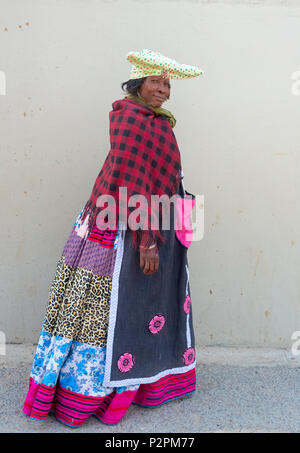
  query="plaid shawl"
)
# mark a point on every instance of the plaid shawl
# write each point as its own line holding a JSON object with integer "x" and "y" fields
{"x": 144, "y": 157}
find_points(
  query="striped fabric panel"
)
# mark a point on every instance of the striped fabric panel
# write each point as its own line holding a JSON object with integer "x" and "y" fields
{"x": 74, "y": 409}
{"x": 165, "y": 389}
{"x": 106, "y": 237}
{"x": 39, "y": 400}
{"x": 117, "y": 408}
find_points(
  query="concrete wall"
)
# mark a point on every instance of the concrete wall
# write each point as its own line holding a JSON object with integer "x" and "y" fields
{"x": 237, "y": 128}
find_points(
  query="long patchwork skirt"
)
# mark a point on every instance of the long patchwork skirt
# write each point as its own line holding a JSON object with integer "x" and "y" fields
{"x": 68, "y": 368}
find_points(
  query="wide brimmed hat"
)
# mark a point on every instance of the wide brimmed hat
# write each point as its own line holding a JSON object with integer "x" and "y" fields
{"x": 147, "y": 62}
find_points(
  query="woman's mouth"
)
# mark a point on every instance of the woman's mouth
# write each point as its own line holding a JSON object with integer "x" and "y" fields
{"x": 161, "y": 99}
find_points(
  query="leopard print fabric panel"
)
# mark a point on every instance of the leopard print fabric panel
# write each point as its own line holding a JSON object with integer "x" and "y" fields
{"x": 78, "y": 306}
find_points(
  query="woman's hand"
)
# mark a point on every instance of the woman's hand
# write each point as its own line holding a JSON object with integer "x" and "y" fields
{"x": 149, "y": 260}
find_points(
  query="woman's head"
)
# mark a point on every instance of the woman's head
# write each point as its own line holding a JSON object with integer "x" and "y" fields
{"x": 153, "y": 89}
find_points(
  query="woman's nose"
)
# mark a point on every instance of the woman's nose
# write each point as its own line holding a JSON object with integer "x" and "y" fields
{"x": 162, "y": 88}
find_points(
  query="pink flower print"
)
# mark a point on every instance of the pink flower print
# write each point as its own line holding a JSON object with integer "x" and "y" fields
{"x": 189, "y": 356}
{"x": 157, "y": 323}
{"x": 125, "y": 362}
{"x": 187, "y": 304}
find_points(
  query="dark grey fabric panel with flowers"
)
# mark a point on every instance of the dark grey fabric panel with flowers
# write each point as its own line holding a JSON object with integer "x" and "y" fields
{"x": 154, "y": 313}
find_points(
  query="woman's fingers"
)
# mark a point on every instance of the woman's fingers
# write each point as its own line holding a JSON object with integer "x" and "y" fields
{"x": 156, "y": 260}
{"x": 152, "y": 265}
{"x": 142, "y": 261}
{"x": 149, "y": 261}
{"x": 147, "y": 266}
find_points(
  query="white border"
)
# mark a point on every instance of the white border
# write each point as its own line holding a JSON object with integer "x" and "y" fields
{"x": 150, "y": 379}
{"x": 188, "y": 331}
{"x": 113, "y": 308}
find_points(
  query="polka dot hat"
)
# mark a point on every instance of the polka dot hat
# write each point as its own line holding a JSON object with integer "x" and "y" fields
{"x": 147, "y": 62}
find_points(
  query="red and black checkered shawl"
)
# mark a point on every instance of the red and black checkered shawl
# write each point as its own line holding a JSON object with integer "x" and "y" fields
{"x": 144, "y": 157}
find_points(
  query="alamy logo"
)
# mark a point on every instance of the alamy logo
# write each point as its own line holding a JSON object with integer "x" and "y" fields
{"x": 2, "y": 343}
{"x": 295, "y": 89}
{"x": 295, "y": 349}
{"x": 2, "y": 83}
{"x": 193, "y": 231}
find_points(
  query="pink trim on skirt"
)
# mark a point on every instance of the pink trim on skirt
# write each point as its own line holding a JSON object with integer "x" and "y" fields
{"x": 74, "y": 409}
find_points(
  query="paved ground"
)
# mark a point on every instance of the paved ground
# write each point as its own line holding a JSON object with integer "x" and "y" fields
{"x": 238, "y": 390}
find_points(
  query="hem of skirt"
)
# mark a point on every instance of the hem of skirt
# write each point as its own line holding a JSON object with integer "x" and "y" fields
{"x": 178, "y": 386}
{"x": 34, "y": 418}
{"x": 105, "y": 423}
{"x": 163, "y": 402}
{"x": 56, "y": 417}
{"x": 122, "y": 399}
{"x": 65, "y": 423}
{"x": 99, "y": 418}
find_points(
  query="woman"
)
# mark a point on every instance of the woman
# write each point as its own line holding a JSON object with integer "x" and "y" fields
{"x": 118, "y": 327}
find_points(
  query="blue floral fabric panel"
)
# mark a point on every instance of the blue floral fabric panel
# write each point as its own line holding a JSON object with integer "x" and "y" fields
{"x": 74, "y": 366}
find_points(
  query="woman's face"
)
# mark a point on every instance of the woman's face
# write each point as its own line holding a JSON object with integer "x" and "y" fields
{"x": 155, "y": 90}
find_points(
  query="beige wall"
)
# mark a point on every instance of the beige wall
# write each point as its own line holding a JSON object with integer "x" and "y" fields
{"x": 237, "y": 128}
